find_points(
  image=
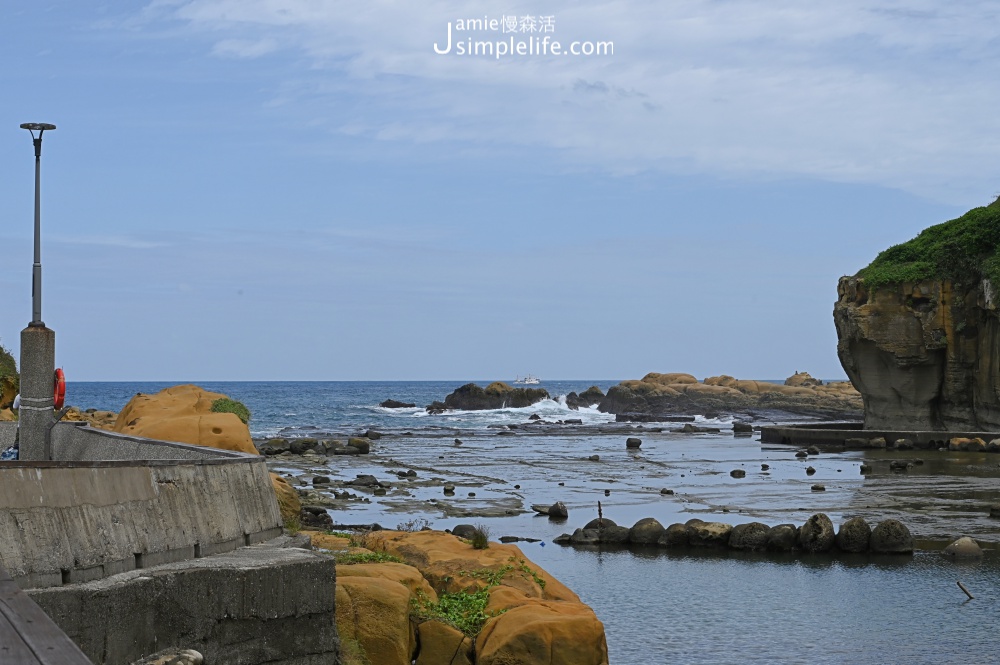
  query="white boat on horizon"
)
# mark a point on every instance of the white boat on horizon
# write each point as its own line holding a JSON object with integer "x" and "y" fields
{"x": 528, "y": 380}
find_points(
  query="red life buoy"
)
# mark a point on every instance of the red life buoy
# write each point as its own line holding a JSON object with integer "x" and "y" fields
{"x": 59, "y": 393}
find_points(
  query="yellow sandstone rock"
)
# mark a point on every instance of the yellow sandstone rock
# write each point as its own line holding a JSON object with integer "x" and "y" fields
{"x": 288, "y": 498}
{"x": 184, "y": 414}
{"x": 533, "y": 631}
{"x": 400, "y": 573}
{"x": 373, "y": 616}
{"x": 441, "y": 644}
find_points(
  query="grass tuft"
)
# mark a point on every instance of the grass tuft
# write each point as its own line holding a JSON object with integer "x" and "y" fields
{"x": 226, "y": 405}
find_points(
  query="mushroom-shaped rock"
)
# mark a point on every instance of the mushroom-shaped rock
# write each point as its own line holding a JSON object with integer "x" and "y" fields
{"x": 854, "y": 535}
{"x": 709, "y": 534}
{"x": 752, "y": 536}
{"x": 783, "y": 537}
{"x": 646, "y": 531}
{"x": 891, "y": 537}
{"x": 674, "y": 536}
{"x": 817, "y": 534}
{"x": 963, "y": 548}
{"x": 633, "y": 442}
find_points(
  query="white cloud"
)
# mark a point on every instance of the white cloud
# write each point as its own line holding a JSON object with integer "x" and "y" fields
{"x": 245, "y": 48}
{"x": 892, "y": 92}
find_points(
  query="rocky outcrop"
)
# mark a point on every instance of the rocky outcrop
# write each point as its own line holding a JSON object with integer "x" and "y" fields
{"x": 383, "y": 615}
{"x": 919, "y": 332}
{"x": 667, "y": 395}
{"x": 592, "y": 396}
{"x": 184, "y": 413}
{"x": 925, "y": 356}
{"x": 10, "y": 380}
{"x": 497, "y": 395}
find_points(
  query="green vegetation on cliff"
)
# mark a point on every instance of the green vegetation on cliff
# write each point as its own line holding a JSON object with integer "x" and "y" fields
{"x": 962, "y": 250}
{"x": 226, "y": 405}
{"x": 10, "y": 381}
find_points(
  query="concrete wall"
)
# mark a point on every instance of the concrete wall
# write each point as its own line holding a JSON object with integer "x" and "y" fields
{"x": 7, "y": 432}
{"x": 258, "y": 604}
{"x": 81, "y": 518}
{"x": 76, "y": 441}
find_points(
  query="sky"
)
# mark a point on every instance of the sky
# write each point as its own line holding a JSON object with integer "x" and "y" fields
{"x": 331, "y": 190}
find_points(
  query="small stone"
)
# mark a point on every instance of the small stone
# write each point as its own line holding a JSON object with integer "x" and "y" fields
{"x": 449, "y": 489}
{"x": 517, "y": 487}
{"x": 458, "y": 442}
{"x": 866, "y": 468}
{"x": 632, "y": 442}
{"x": 963, "y": 548}
{"x": 562, "y": 484}
{"x": 594, "y": 458}
{"x": 607, "y": 492}
{"x": 812, "y": 450}
{"x": 558, "y": 511}
{"x": 472, "y": 494}
{"x": 801, "y": 454}
{"x": 738, "y": 473}
{"x": 818, "y": 488}
{"x": 903, "y": 444}
{"x": 666, "y": 491}
{"x": 321, "y": 480}
{"x": 810, "y": 471}
{"x": 765, "y": 467}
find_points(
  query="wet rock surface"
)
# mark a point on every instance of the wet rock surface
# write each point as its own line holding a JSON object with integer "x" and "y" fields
{"x": 548, "y": 464}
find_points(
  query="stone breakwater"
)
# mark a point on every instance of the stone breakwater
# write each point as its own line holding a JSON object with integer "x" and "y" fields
{"x": 815, "y": 536}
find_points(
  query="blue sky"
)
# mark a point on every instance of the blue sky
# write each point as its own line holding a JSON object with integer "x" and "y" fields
{"x": 304, "y": 189}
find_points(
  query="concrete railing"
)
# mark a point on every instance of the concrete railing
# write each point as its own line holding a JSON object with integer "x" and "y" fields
{"x": 109, "y": 503}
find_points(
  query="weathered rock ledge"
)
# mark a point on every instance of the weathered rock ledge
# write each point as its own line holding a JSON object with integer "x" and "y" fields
{"x": 534, "y": 619}
{"x": 925, "y": 356}
{"x": 673, "y": 395}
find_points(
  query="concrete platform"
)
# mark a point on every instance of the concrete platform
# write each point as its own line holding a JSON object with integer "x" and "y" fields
{"x": 260, "y": 604}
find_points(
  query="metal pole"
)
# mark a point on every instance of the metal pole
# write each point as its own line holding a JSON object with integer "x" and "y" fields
{"x": 36, "y": 269}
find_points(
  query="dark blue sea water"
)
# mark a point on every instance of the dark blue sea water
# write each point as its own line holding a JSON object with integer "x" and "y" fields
{"x": 659, "y": 607}
{"x": 345, "y": 405}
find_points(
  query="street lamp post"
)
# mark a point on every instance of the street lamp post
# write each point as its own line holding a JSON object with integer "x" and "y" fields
{"x": 38, "y": 343}
{"x": 36, "y": 269}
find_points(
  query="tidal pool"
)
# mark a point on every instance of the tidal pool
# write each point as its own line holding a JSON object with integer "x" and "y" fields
{"x": 660, "y": 606}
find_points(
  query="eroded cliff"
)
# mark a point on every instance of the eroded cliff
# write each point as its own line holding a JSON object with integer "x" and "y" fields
{"x": 919, "y": 332}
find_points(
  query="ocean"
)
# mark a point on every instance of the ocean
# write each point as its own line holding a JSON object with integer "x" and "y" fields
{"x": 660, "y": 607}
